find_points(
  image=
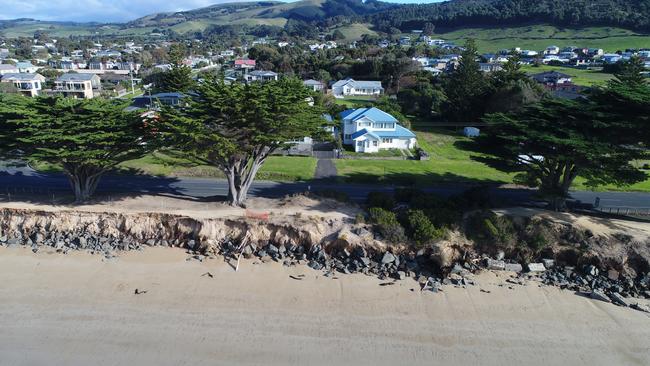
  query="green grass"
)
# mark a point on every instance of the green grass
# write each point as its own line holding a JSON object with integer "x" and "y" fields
{"x": 385, "y": 153}
{"x": 538, "y": 37}
{"x": 278, "y": 168}
{"x": 355, "y": 102}
{"x": 579, "y": 76}
{"x": 354, "y": 31}
{"x": 448, "y": 163}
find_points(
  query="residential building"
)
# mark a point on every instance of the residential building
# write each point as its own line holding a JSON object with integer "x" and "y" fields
{"x": 371, "y": 129}
{"x": 27, "y": 84}
{"x": 27, "y": 67}
{"x": 8, "y": 69}
{"x": 260, "y": 75}
{"x": 4, "y": 53}
{"x": 611, "y": 58}
{"x": 314, "y": 85}
{"x": 552, "y": 50}
{"x": 155, "y": 100}
{"x": 244, "y": 64}
{"x": 551, "y": 78}
{"x": 490, "y": 67}
{"x": 353, "y": 87}
{"x": 227, "y": 53}
{"x": 77, "y": 85}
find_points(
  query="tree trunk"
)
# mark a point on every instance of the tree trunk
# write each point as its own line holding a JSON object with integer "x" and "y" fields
{"x": 84, "y": 181}
{"x": 241, "y": 174}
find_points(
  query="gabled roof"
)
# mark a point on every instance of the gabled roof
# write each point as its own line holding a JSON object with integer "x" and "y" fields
{"x": 363, "y": 132}
{"x": 245, "y": 62}
{"x": 358, "y": 83}
{"x": 542, "y": 76}
{"x": 76, "y": 77}
{"x": 8, "y": 67}
{"x": 374, "y": 114}
{"x": 262, "y": 73}
{"x": 312, "y": 82}
{"x": 22, "y": 77}
{"x": 24, "y": 64}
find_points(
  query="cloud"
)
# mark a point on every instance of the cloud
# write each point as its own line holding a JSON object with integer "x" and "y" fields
{"x": 95, "y": 10}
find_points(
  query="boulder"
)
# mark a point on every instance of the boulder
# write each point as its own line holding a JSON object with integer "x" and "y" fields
{"x": 388, "y": 258}
{"x": 599, "y": 295}
{"x": 618, "y": 299}
{"x": 495, "y": 265}
{"x": 513, "y": 267}
{"x": 536, "y": 267}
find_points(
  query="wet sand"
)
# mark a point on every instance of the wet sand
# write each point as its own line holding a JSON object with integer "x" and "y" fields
{"x": 79, "y": 309}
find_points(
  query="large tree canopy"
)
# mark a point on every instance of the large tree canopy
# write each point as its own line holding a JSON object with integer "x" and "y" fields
{"x": 555, "y": 141}
{"x": 235, "y": 127}
{"x": 86, "y": 137}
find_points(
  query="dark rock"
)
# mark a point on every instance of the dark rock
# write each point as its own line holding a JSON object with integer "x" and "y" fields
{"x": 599, "y": 295}
{"x": 618, "y": 299}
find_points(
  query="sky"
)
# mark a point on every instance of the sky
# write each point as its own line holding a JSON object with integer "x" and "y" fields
{"x": 105, "y": 10}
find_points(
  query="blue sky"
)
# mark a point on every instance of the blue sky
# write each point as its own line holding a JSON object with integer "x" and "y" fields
{"x": 105, "y": 10}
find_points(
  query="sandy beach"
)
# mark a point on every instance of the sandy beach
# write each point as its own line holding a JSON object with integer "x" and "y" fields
{"x": 79, "y": 309}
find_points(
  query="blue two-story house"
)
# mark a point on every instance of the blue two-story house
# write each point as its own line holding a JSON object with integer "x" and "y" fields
{"x": 371, "y": 129}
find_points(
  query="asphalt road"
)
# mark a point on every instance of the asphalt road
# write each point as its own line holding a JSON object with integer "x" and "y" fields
{"x": 26, "y": 180}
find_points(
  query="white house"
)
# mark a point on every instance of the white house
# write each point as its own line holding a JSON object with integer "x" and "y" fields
{"x": 314, "y": 85}
{"x": 77, "y": 85}
{"x": 552, "y": 50}
{"x": 371, "y": 129}
{"x": 350, "y": 86}
{"x": 27, "y": 84}
{"x": 259, "y": 75}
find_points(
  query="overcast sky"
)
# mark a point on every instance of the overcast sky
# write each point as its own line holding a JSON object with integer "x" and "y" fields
{"x": 102, "y": 10}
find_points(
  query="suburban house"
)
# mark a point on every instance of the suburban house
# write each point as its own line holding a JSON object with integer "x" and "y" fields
{"x": 26, "y": 66}
{"x": 27, "y": 84}
{"x": 155, "y": 100}
{"x": 8, "y": 69}
{"x": 490, "y": 66}
{"x": 259, "y": 75}
{"x": 551, "y": 78}
{"x": 77, "y": 85}
{"x": 353, "y": 87}
{"x": 371, "y": 129}
{"x": 314, "y": 85}
{"x": 244, "y": 64}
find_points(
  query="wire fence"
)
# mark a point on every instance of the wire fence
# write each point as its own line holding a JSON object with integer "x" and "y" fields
{"x": 626, "y": 211}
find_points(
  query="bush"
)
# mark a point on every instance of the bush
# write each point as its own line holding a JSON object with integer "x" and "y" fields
{"x": 421, "y": 229}
{"x": 359, "y": 219}
{"x": 381, "y": 200}
{"x": 387, "y": 225}
{"x": 492, "y": 231}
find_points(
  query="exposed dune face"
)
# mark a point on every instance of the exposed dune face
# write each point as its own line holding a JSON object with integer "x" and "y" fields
{"x": 79, "y": 309}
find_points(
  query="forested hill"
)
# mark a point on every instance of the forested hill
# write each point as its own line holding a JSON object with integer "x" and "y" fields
{"x": 633, "y": 14}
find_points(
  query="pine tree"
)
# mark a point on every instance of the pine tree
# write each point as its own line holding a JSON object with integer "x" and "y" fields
{"x": 86, "y": 137}
{"x": 555, "y": 141}
{"x": 236, "y": 127}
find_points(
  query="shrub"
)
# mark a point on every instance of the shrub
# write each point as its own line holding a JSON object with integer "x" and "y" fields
{"x": 421, "y": 229}
{"x": 359, "y": 219}
{"x": 387, "y": 225}
{"x": 492, "y": 231}
{"x": 381, "y": 200}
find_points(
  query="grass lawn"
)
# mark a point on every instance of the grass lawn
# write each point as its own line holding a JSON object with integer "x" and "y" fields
{"x": 278, "y": 168}
{"x": 355, "y": 102}
{"x": 448, "y": 163}
{"x": 579, "y": 76}
{"x": 386, "y": 153}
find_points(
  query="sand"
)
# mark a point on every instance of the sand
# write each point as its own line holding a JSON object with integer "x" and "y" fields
{"x": 79, "y": 309}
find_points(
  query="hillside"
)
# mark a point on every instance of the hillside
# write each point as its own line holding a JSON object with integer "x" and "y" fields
{"x": 619, "y": 17}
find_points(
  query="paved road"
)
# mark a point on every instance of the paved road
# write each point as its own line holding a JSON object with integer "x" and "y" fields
{"x": 27, "y": 181}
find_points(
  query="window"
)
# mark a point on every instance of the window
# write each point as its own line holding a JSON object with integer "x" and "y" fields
{"x": 386, "y": 140}
{"x": 375, "y": 143}
{"x": 346, "y": 137}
